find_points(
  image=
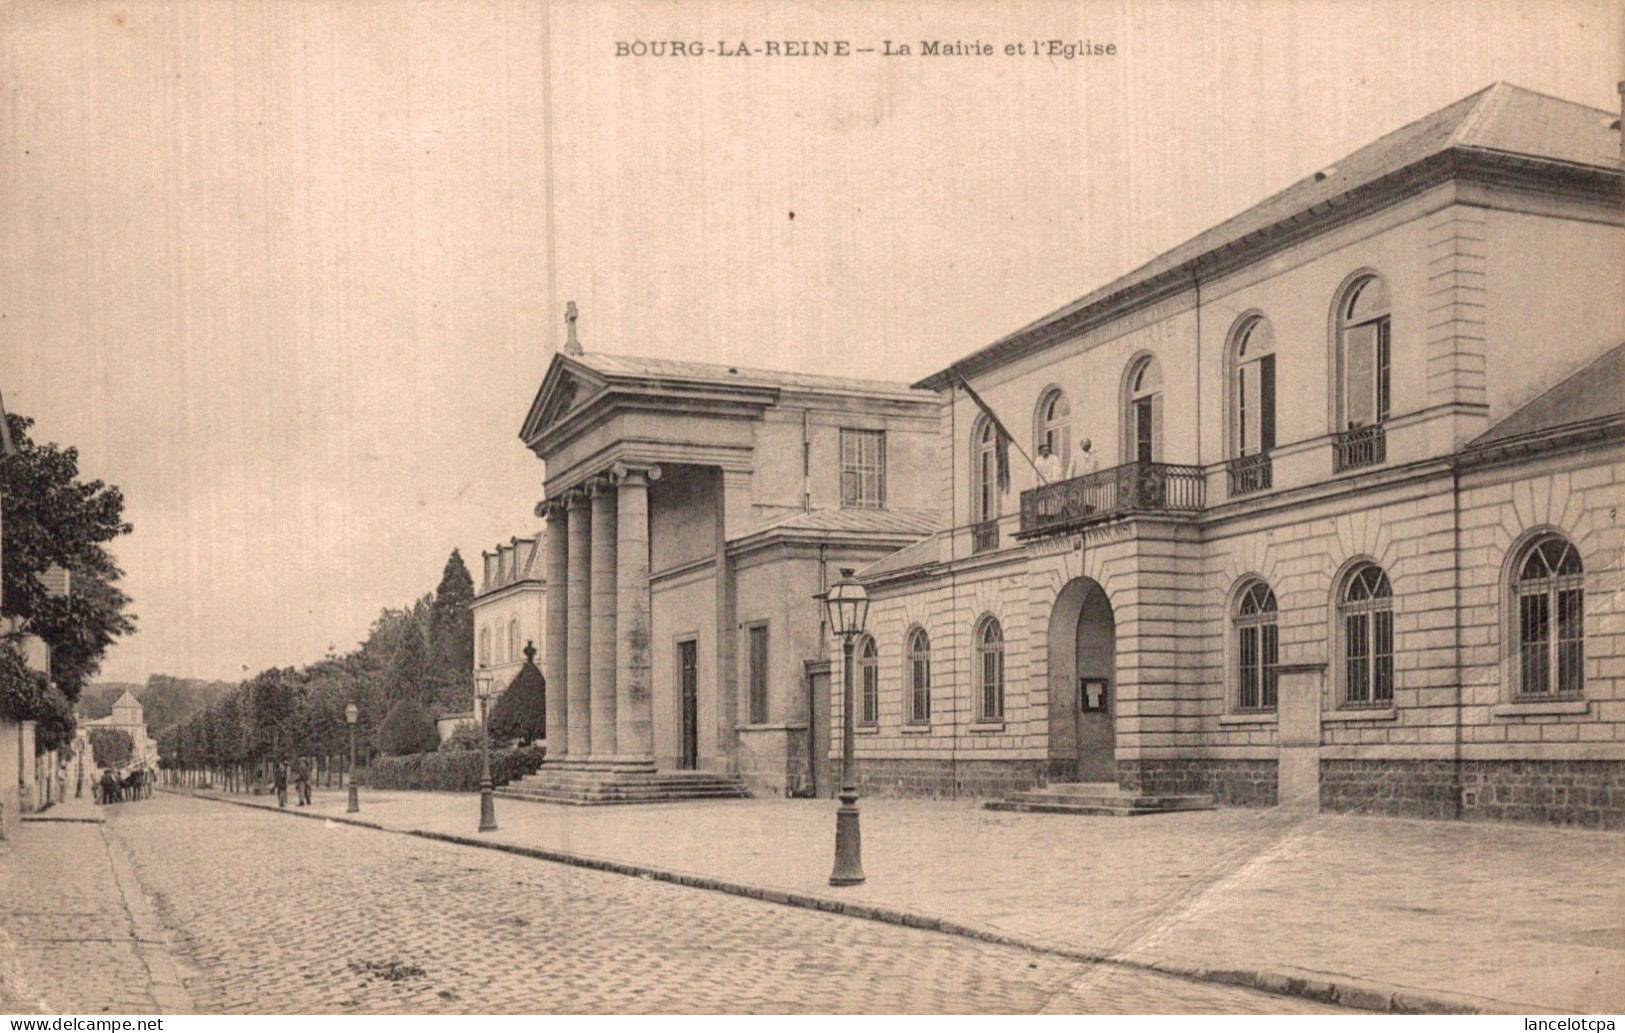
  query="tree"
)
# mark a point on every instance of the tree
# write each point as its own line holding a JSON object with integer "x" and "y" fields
{"x": 520, "y": 712}
{"x": 451, "y": 636}
{"x": 408, "y": 677}
{"x": 408, "y": 728}
{"x": 52, "y": 518}
{"x": 112, "y": 747}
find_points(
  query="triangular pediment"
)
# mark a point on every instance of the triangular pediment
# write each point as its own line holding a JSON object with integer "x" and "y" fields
{"x": 567, "y": 384}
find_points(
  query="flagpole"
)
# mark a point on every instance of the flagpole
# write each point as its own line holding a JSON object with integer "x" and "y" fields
{"x": 999, "y": 424}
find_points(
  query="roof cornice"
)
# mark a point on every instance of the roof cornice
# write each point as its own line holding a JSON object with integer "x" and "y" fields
{"x": 1519, "y": 171}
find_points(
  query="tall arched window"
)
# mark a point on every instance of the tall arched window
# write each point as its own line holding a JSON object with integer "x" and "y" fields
{"x": 1363, "y": 353}
{"x": 1054, "y": 426}
{"x": 1257, "y": 648}
{"x": 1252, "y": 388}
{"x": 989, "y": 670}
{"x": 485, "y": 647}
{"x": 513, "y": 640}
{"x": 918, "y": 658}
{"x": 1143, "y": 420}
{"x": 868, "y": 654}
{"x": 1365, "y": 612}
{"x": 984, "y": 471}
{"x": 1549, "y": 590}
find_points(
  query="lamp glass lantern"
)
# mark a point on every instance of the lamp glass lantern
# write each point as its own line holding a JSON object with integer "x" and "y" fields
{"x": 351, "y": 712}
{"x": 847, "y": 606}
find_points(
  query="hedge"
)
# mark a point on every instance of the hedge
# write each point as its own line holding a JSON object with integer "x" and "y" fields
{"x": 455, "y": 771}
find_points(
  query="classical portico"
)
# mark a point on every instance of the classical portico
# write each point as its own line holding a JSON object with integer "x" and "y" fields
{"x": 598, "y": 642}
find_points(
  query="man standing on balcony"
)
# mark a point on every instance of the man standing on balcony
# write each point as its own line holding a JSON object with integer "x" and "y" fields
{"x": 1049, "y": 465}
{"x": 1086, "y": 459}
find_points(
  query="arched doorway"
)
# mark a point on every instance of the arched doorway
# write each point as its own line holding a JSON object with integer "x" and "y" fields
{"x": 1082, "y": 684}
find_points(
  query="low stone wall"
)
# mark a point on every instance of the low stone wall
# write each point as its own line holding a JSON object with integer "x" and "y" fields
{"x": 1587, "y": 793}
{"x": 946, "y": 779}
{"x": 1231, "y": 783}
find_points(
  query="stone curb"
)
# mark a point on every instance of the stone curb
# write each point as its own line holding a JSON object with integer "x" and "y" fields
{"x": 1348, "y": 992}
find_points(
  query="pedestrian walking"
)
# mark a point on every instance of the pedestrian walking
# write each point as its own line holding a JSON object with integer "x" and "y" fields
{"x": 279, "y": 778}
{"x": 109, "y": 786}
{"x": 301, "y": 782}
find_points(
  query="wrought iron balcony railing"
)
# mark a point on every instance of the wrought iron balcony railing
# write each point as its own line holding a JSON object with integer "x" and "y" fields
{"x": 1249, "y": 474}
{"x": 1130, "y": 488}
{"x": 984, "y": 537}
{"x": 1359, "y": 446}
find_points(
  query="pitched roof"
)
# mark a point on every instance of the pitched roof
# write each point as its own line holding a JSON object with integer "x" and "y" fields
{"x": 675, "y": 369}
{"x": 859, "y": 521}
{"x": 1499, "y": 119}
{"x": 924, "y": 553}
{"x": 127, "y": 699}
{"x": 1593, "y": 393}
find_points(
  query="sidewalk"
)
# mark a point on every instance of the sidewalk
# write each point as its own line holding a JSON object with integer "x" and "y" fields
{"x": 75, "y": 809}
{"x": 1377, "y": 913}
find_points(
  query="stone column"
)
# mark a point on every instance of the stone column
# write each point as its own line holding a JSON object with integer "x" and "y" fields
{"x": 634, "y": 711}
{"x": 578, "y": 610}
{"x": 555, "y": 667}
{"x": 603, "y": 620}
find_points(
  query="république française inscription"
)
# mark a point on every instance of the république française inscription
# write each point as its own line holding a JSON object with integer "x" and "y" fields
{"x": 1050, "y": 49}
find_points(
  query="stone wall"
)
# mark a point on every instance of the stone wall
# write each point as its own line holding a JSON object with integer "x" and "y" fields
{"x": 1231, "y": 783}
{"x": 937, "y": 777}
{"x": 1588, "y": 793}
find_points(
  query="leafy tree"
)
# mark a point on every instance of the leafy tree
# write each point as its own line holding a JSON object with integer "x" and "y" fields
{"x": 408, "y": 728}
{"x": 520, "y": 712}
{"x": 466, "y": 736}
{"x": 408, "y": 677}
{"x": 52, "y": 518}
{"x": 451, "y": 636}
{"x": 112, "y": 747}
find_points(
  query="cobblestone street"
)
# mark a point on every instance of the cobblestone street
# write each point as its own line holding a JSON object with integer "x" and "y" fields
{"x": 263, "y": 914}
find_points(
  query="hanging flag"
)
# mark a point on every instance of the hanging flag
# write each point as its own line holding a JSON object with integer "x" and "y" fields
{"x": 1003, "y": 439}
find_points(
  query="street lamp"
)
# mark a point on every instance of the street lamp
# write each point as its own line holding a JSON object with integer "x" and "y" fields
{"x": 351, "y": 712}
{"x": 847, "y": 606}
{"x": 488, "y": 811}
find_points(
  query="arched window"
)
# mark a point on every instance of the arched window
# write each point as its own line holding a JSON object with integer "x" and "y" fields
{"x": 1252, "y": 388}
{"x": 1257, "y": 648}
{"x": 989, "y": 670}
{"x": 1054, "y": 426}
{"x": 513, "y": 640}
{"x": 868, "y": 681}
{"x": 1365, "y": 613}
{"x": 984, "y": 471}
{"x": 1143, "y": 420}
{"x": 918, "y": 654}
{"x": 485, "y": 647}
{"x": 1549, "y": 591}
{"x": 1363, "y": 354}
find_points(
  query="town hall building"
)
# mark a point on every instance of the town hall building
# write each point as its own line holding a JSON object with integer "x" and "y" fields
{"x": 1321, "y": 508}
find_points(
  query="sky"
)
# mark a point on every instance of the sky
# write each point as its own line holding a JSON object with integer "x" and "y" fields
{"x": 289, "y": 273}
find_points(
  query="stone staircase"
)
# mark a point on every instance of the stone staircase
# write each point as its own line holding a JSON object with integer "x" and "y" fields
{"x": 586, "y": 787}
{"x": 1099, "y": 798}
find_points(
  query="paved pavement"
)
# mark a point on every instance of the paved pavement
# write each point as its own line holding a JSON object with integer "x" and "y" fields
{"x": 1495, "y": 917}
{"x": 258, "y": 913}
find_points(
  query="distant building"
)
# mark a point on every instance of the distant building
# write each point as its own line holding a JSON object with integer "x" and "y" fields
{"x": 509, "y": 612}
{"x": 128, "y": 717}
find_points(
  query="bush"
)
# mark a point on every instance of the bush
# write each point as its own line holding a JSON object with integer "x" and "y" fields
{"x": 407, "y": 728}
{"x": 520, "y": 714}
{"x": 464, "y": 736}
{"x": 451, "y": 772}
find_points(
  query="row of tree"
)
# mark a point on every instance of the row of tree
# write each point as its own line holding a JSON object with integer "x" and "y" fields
{"x": 414, "y": 663}
{"x": 53, "y": 520}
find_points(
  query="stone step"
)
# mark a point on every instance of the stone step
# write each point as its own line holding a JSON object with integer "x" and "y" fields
{"x": 1100, "y": 798}
{"x": 589, "y": 788}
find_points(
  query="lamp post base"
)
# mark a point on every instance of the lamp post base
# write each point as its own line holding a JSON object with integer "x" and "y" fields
{"x": 488, "y": 810}
{"x": 848, "y": 841}
{"x": 355, "y": 801}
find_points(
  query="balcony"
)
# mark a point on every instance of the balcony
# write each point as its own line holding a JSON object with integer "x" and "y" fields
{"x": 1130, "y": 488}
{"x": 1359, "y": 446}
{"x": 984, "y": 537}
{"x": 1249, "y": 474}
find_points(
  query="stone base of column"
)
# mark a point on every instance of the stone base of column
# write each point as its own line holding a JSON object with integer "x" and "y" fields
{"x": 626, "y": 765}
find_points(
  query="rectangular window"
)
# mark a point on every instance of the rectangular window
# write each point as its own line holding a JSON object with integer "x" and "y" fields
{"x": 863, "y": 469}
{"x": 870, "y": 712}
{"x": 1534, "y": 640}
{"x": 1270, "y": 648}
{"x": 1247, "y": 651}
{"x": 1357, "y": 663}
{"x": 920, "y": 711}
{"x": 1360, "y": 365}
{"x": 992, "y": 685}
{"x": 1570, "y": 640}
{"x": 758, "y": 674}
{"x": 1266, "y": 403}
